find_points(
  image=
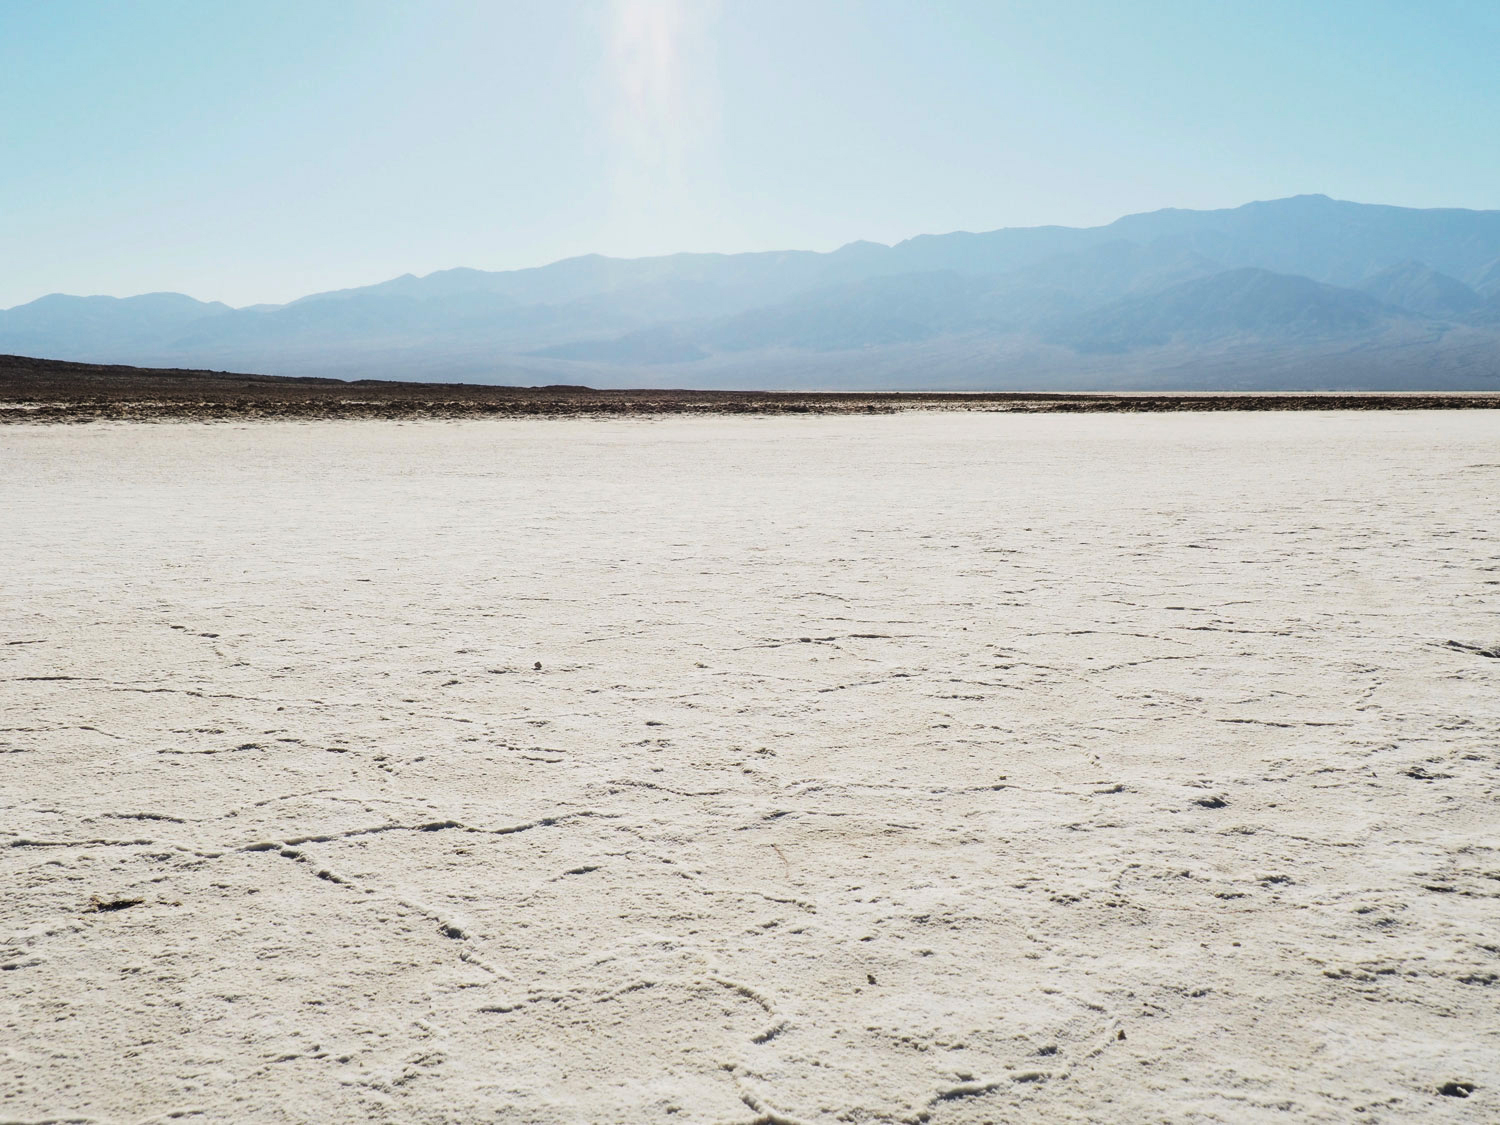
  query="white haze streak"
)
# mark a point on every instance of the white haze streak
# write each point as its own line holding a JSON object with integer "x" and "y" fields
{"x": 662, "y": 113}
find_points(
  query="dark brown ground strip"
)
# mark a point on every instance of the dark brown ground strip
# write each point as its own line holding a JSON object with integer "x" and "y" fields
{"x": 42, "y": 390}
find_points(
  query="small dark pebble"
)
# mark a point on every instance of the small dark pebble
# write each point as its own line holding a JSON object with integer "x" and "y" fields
{"x": 1121, "y": 1035}
{"x": 104, "y": 906}
{"x": 537, "y": 666}
{"x": 870, "y": 977}
{"x": 1493, "y": 652}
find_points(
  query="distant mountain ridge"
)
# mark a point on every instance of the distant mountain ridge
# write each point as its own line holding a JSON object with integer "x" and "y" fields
{"x": 1299, "y": 292}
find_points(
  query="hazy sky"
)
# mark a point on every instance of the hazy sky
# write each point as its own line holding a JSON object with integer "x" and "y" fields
{"x": 257, "y": 151}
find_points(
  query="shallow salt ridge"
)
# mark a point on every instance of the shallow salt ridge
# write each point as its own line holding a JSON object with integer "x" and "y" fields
{"x": 948, "y": 768}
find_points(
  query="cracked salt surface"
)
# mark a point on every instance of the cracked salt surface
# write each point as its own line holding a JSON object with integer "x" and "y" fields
{"x": 592, "y": 771}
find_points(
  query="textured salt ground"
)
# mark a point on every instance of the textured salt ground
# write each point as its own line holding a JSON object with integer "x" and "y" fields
{"x": 877, "y": 769}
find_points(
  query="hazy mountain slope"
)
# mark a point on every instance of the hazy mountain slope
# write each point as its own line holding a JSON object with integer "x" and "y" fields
{"x": 1236, "y": 303}
{"x": 1259, "y": 288}
{"x": 735, "y": 280}
{"x": 84, "y": 323}
{"x": 863, "y": 314}
{"x": 1329, "y": 240}
{"x": 1403, "y": 354}
{"x": 1113, "y": 269}
{"x": 1418, "y": 288}
{"x": 903, "y": 308}
{"x": 1486, "y": 280}
{"x": 646, "y": 346}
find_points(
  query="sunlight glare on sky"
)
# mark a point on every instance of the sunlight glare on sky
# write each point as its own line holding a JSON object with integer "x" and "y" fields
{"x": 257, "y": 151}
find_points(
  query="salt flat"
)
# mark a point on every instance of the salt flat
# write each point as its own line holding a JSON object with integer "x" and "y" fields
{"x": 949, "y": 768}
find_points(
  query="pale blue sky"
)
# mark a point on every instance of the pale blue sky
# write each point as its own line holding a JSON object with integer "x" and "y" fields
{"x": 257, "y": 151}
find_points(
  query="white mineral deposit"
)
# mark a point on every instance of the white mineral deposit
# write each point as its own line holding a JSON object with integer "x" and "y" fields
{"x": 919, "y": 768}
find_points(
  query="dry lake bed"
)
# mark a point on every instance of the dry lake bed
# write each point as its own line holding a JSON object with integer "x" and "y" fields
{"x": 917, "y": 768}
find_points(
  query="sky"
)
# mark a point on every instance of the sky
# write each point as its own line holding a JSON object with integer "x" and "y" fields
{"x": 258, "y": 150}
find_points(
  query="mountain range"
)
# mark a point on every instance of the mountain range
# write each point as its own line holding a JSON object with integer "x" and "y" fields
{"x": 1299, "y": 293}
